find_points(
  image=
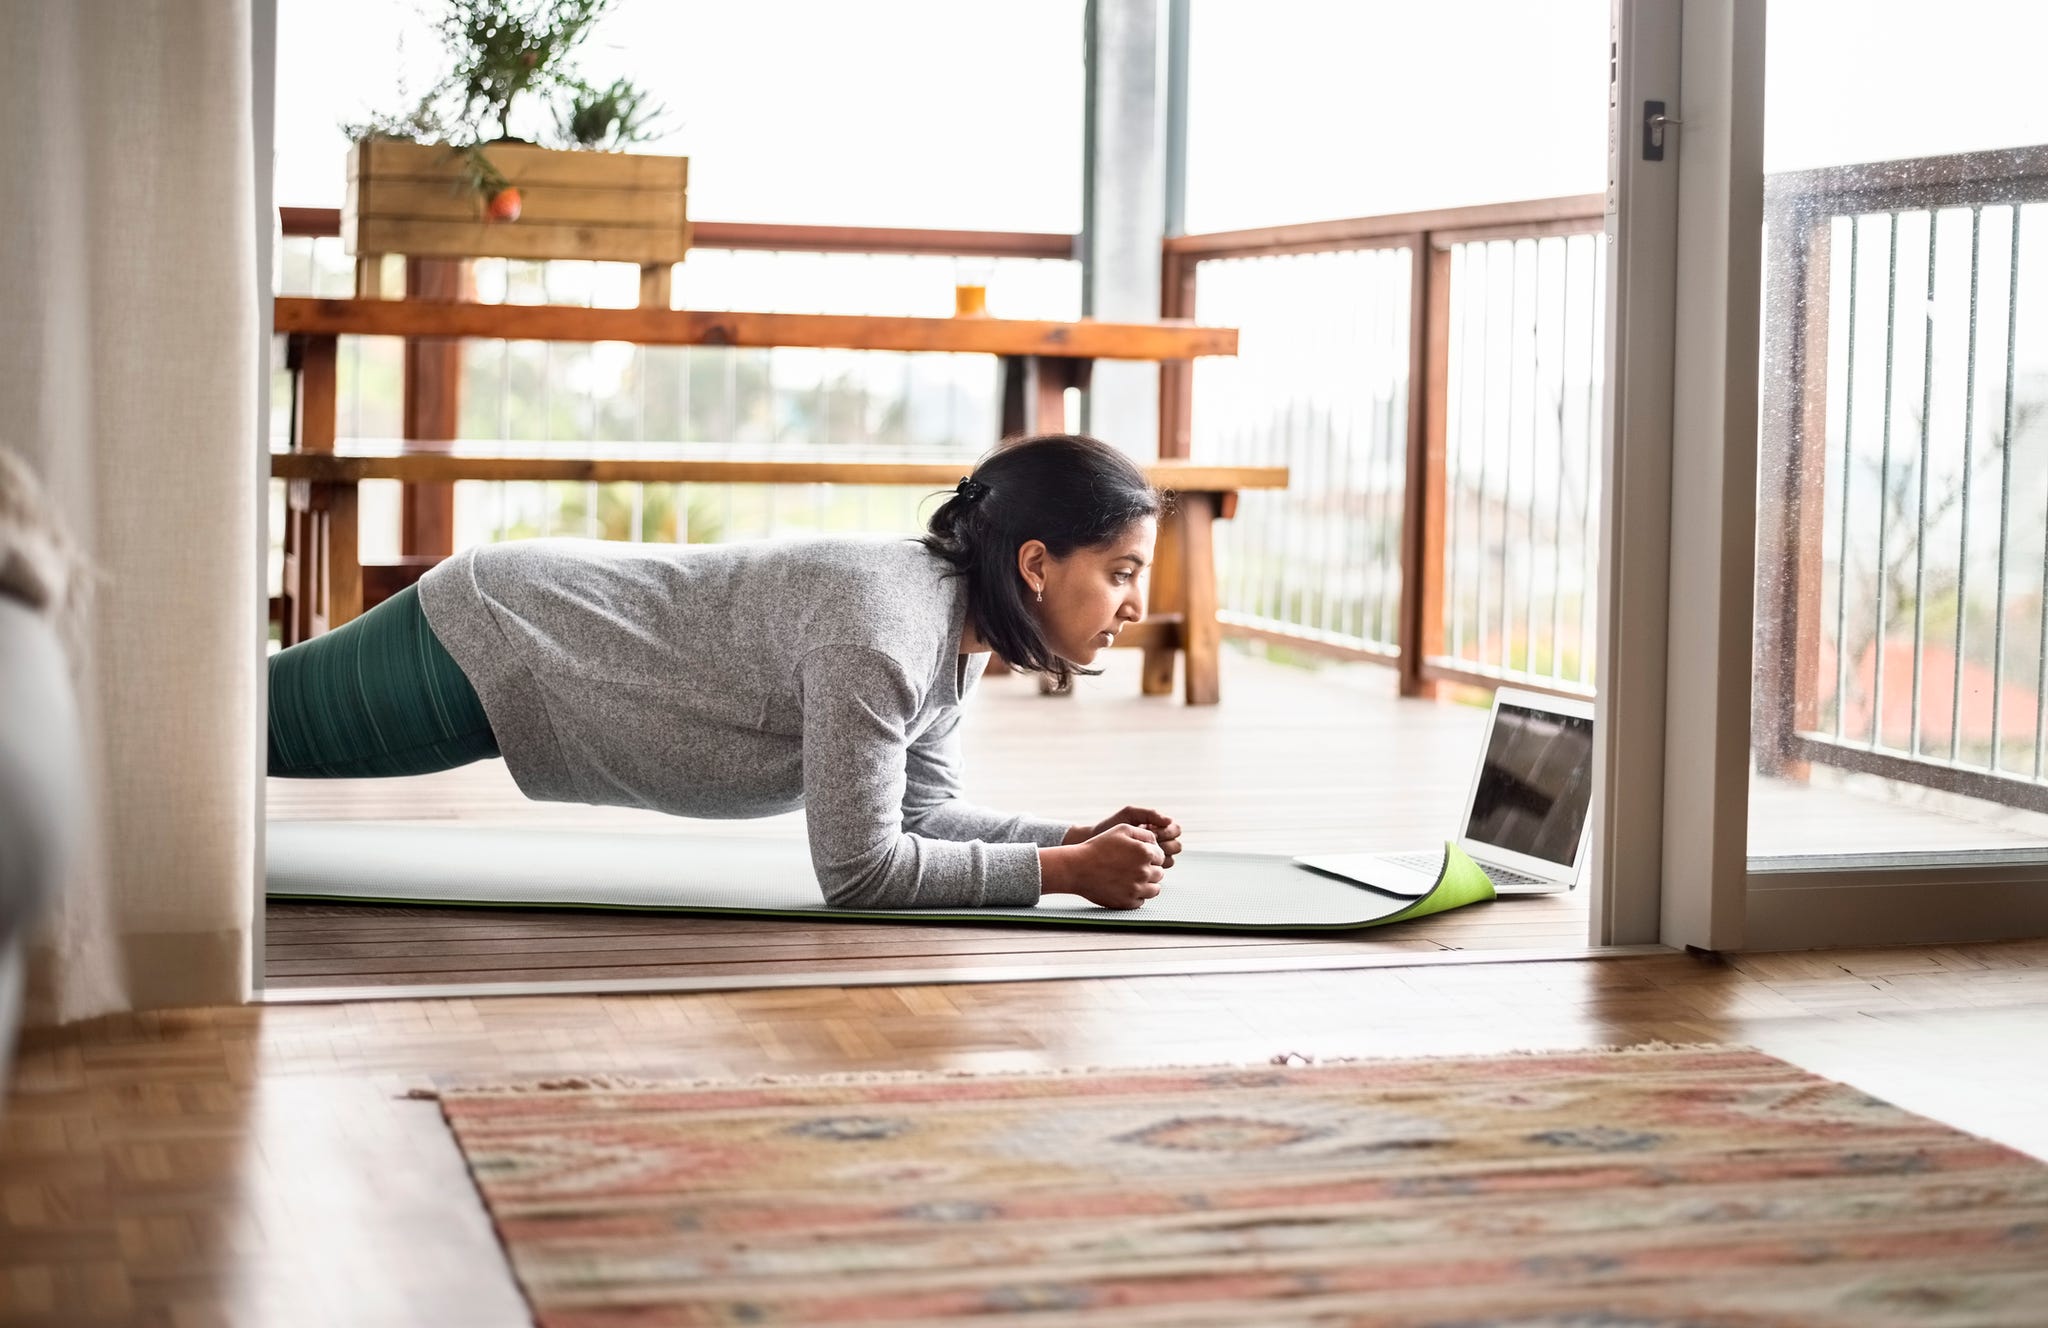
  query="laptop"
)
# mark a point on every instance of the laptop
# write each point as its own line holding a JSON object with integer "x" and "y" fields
{"x": 1525, "y": 816}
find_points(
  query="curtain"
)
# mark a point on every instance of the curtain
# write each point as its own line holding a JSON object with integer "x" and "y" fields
{"x": 128, "y": 383}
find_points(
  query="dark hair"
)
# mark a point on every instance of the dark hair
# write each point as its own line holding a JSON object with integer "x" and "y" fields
{"x": 1065, "y": 490}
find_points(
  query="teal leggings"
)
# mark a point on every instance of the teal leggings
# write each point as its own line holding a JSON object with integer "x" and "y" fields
{"x": 376, "y": 696}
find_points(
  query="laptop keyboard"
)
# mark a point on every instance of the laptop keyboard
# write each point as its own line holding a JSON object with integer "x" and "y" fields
{"x": 1429, "y": 863}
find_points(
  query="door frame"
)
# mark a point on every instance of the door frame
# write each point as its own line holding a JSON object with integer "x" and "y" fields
{"x": 1683, "y": 229}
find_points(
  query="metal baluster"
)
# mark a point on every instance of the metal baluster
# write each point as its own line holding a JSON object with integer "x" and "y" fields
{"x": 864, "y": 494}
{"x": 1456, "y": 341}
{"x": 1528, "y": 559}
{"x": 1564, "y": 333}
{"x": 1884, "y": 481}
{"x": 1955, "y": 714}
{"x": 1299, "y": 532}
{"x": 1316, "y": 508}
{"x": 1343, "y": 582}
{"x": 1294, "y": 602}
{"x": 2004, "y": 509}
{"x": 1528, "y": 542}
{"x": 640, "y": 427}
{"x": 1268, "y": 439}
{"x": 1394, "y": 275}
{"x": 504, "y": 415}
{"x": 1589, "y": 536}
{"x": 1315, "y": 594}
{"x": 591, "y": 529}
{"x": 1848, "y": 472}
{"x": 1344, "y": 572}
{"x": 1485, "y": 454}
{"x": 679, "y": 495}
{"x": 819, "y": 504}
{"x": 1281, "y": 453}
{"x": 547, "y": 409}
{"x": 1362, "y": 475}
{"x": 732, "y": 434}
{"x": 2011, "y": 330}
{"x": 1231, "y": 375}
{"x": 1353, "y": 538}
{"x": 1507, "y": 492}
{"x": 1920, "y": 536}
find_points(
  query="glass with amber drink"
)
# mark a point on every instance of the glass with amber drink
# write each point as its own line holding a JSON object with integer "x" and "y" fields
{"x": 970, "y": 287}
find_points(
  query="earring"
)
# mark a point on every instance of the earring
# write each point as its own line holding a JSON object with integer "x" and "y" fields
{"x": 1039, "y": 596}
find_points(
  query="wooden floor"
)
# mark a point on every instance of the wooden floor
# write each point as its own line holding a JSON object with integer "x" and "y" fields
{"x": 1292, "y": 761}
{"x": 265, "y": 1166}
{"x": 273, "y": 1164}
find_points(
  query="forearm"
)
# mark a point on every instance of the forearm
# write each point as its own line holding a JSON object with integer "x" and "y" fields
{"x": 913, "y": 872}
{"x": 958, "y": 820}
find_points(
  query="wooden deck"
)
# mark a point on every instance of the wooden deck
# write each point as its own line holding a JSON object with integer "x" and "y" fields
{"x": 1293, "y": 761}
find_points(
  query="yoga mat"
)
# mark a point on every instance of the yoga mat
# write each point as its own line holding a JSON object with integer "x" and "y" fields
{"x": 527, "y": 867}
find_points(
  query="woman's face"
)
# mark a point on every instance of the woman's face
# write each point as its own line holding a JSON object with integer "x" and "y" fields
{"x": 1091, "y": 594}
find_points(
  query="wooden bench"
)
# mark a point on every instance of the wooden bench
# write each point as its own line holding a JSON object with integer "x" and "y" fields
{"x": 326, "y": 584}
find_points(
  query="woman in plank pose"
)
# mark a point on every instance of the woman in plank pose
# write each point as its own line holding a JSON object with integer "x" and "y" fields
{"x": 748, "y": 679}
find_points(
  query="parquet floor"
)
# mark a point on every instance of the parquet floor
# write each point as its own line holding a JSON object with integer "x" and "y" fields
{"x": 1292, "y": 761}
{"x": 265, "y": 1165}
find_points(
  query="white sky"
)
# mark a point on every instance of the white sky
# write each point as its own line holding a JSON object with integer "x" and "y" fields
{"x": 951, "y": 113}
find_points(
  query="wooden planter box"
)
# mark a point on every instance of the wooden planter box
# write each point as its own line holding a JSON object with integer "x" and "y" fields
{"x": 413, "y": 199}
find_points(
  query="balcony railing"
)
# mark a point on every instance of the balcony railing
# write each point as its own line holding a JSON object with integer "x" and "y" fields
{"x": 1433, "y": 383}
{"x": 1903, "y": 495}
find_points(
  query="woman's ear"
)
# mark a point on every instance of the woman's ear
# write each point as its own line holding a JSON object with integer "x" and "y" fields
{"x": 1032, "y": 556}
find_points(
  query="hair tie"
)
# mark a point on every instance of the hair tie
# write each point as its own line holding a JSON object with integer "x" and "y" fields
{"x": 970, "y": 489}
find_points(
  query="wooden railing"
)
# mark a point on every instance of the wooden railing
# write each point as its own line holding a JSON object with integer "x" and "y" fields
{"x": 1415, "y": 533}
{"x": 1902, "y": 586}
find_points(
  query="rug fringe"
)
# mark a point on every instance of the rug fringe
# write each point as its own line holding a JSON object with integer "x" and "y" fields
{"x": 630, "y": 1083}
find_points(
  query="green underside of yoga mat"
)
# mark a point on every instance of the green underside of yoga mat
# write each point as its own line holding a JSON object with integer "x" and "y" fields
{"x": 522, "y": 867}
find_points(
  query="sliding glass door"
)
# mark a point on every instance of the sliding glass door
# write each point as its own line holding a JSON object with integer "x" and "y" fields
{"x": 1900, "y": 710}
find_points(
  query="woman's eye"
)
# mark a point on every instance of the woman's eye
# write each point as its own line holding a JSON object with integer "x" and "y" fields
{"x": 1123, "y": 578}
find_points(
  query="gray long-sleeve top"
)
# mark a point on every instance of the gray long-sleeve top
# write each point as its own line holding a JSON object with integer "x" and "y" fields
{"x": 748, "y": 679}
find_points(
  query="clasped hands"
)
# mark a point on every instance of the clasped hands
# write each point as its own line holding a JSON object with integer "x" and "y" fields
{"x": 1119, "y": 862}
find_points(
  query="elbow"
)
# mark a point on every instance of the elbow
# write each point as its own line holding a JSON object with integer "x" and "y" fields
{"x": 916, "y": 820}
{"x": 856, "y": 886}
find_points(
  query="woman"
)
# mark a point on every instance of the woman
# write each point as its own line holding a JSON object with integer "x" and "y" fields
{"x": 750, "y": 679}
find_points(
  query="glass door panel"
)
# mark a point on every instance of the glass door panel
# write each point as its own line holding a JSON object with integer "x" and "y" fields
{"x": 1901, "y": 704}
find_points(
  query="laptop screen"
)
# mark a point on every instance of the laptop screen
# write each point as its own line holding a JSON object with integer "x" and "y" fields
{"x": 1536, "y": 786}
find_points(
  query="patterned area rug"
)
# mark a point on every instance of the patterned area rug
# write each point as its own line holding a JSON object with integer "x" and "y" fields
{"x": 1649, "y": 1188}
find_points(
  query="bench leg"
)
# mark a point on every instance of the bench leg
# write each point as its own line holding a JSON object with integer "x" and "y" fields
{"x": 1166, "y": 596}
{"x": 657, "y": 285}
{"x": 369, "y": 276}
{"x": 1201, "y": 635}
{"x": 300, "y": 564}
{"x": 1034, "y": 392}
{"x": 343, "y": 563}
